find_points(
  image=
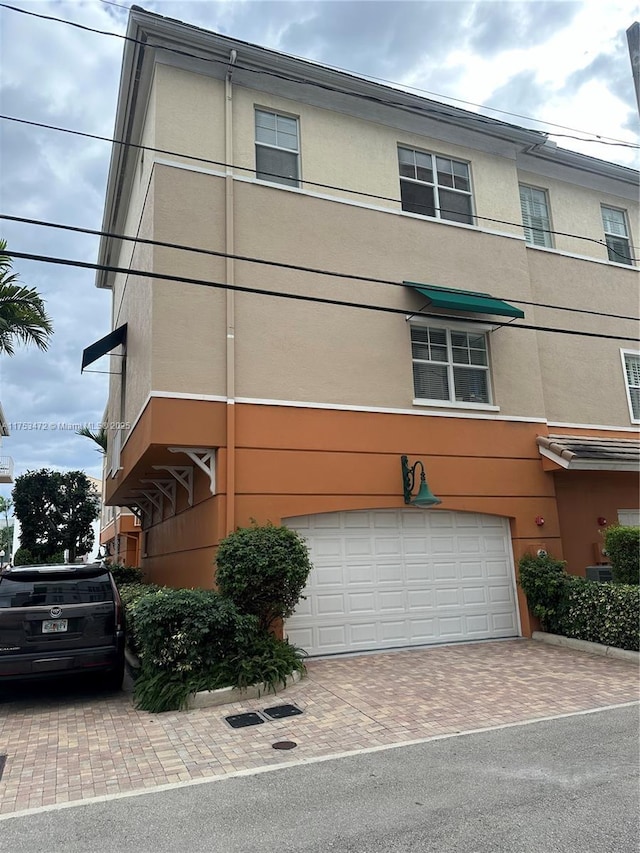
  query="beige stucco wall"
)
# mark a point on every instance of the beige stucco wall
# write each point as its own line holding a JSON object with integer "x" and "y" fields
{"x": 583, "y": 378}
{"x": 189, "y": 321}
{"x": 577, "y": 210}
{"x": 189, "y": 117}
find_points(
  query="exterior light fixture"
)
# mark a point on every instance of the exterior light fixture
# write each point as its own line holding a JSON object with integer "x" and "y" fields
{"x": 425, "y": 496}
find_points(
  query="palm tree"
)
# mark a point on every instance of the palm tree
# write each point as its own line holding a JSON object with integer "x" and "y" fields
{"x": 23, "y": 318}
{"x": 100, "y": 437}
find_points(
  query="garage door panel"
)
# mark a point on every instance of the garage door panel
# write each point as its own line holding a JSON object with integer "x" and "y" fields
{"x": 362, "y": 602}
{"x": 474, "y": 595}
{"x": 392, "y": 578}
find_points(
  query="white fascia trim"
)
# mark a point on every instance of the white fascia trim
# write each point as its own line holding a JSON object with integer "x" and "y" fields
{"x": 577, "y": 257}
{"x": 591, "y": 426}
{"x": 445, "y": 222}
{"x": 342, "y": 407}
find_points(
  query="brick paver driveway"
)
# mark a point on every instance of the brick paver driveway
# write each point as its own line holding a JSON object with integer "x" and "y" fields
{"x": 73, "y": 746}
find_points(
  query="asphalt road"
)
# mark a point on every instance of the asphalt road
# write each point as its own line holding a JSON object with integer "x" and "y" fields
{"x": 562, "y": 786}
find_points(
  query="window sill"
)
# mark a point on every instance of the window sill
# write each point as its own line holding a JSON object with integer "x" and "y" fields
{"x": 447, "y": 404}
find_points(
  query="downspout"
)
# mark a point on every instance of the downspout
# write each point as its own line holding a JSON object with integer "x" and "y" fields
{"x": 230, "y": 296}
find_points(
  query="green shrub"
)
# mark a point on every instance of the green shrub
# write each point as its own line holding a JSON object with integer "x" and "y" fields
{"x": 543, "y": 581}
{"x": 182, "y": 636}
{"x": 130, "y": 594}
{"x": 24, "y": 557}
{"x": 623, "y": 547}
{"x": 606, "y": 613}
{"x": 263, "y": 570}
{"x": 125, "y": 574}
{"x": 264, "y": 659}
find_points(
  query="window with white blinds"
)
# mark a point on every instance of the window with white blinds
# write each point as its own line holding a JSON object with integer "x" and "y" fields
{"x": 277, "y": 148}
{"x": 631, "y": 364}
{"x": 450, "y": 365}
{"x": 535, "y": 216}
{"x": 616, "y": 235}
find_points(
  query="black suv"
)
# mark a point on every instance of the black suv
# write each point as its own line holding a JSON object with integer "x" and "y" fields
{"x": 60, "y": 620}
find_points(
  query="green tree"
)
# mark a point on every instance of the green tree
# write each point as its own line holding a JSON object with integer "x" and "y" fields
{"x": 99, "y": 437}
{"x": 56, "y": 511}
{"x": 23, "y": 318}
{"x": 6, "y": 530}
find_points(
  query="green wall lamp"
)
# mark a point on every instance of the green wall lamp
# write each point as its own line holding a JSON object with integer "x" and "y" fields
{"x": 425, "y": 496}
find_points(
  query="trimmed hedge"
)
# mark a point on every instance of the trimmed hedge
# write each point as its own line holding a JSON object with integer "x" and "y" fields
{"x": 606, "y": 613}
{"x": 623, "y": 548}
{"x": 125, "y": 574}
{"x": 263, "y": 570}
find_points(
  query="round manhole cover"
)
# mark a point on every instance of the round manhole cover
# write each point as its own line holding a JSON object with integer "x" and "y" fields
{"x": 284, "y": 744}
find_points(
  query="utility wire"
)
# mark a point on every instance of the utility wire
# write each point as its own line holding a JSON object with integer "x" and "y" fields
{"x": 281, "y": 265}
{"x": 218, "y": 285}
{"x": 412, "y": 110}
{"x": 209, "y": 161}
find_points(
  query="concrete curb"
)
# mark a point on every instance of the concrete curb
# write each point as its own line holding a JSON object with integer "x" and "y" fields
{"x": 586, "y": 646}
{"x": 227, "y": 695}
{"x": 224, "y": 695}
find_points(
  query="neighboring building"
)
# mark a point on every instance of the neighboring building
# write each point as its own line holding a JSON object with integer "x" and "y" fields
{"x": 236, "y": 406}
{"x": 6, "y": 462}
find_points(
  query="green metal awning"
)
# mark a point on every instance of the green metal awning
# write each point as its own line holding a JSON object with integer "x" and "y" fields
{"x": 464, "y": 300}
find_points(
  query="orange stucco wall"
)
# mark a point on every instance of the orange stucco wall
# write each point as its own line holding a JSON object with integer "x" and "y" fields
{"x": 584, "y": 497}
{"x": 292, "y": 461}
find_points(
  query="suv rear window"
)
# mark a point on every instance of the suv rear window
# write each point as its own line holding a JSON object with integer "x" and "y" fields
{"x": 43, "y": 592}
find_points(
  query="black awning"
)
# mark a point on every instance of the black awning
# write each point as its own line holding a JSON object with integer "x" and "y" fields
{"x": 104, "y": 345}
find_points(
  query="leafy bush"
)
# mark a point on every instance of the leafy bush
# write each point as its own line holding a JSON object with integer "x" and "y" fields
{"x": 543, "y": 581}
{"x": 24, "y": 557}
{"x": 263, "y": 570}
{"x": 265, "y": 659}
{"x": 182, "y": 636}
{"x": 606, "y": 613}
{"x": 623, "y": 548}
{"x": 575, "y": 607}
{"x": 125, "y": 574}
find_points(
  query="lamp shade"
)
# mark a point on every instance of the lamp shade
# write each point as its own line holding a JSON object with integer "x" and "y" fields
{"x": 425, "y": 496}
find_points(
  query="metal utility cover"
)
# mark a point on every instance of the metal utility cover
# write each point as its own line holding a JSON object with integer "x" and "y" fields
{"x": 3, "y": 759}
{"x": 280, "y": 711}
{"x": 284, "y": 744}
{"x": 239, "y": 721}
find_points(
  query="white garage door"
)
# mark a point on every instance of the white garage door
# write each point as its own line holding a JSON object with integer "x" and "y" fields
{"x": 391, "y": 578}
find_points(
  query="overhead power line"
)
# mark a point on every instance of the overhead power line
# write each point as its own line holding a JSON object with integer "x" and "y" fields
{"x": 197, "y": 159}
{"x": 320, "y": 300}
{"x": 316, "y": 84}
{"x": 281, "y": 265}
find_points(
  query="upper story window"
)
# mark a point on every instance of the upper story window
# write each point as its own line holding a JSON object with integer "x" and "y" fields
{"x": 616, "y": 234}
{"x": 631, "y": 364}
{"x": 277, "y": 148}
{"x": 535, "y": 216}
{"x": 450, "y": 365}
{"x": 435, "y": 186}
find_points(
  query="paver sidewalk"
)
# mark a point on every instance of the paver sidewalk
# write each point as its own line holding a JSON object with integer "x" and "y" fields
{"x": 71, "y": 748}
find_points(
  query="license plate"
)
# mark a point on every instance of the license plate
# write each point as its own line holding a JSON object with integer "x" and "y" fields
{"x": 55, "y": 626}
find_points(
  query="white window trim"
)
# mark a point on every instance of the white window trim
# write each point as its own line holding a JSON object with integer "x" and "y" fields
{"x": 257, "y": 109}
{"x": 623, "y": 353}
{"x": 549, "y": 233}
{"x": 436, "y": 187}
{"x": 458, "y": 326}
{"x": 626, "y": 236}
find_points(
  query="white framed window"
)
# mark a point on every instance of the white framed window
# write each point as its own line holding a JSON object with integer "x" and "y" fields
{"x": 631, "y": 368}
{"x": 535, "y": 216}
{"x": 450, "y": 365}
{"x": 435, "y": 186}
{"x": 616, "y": 235}
{"x": 277, "y": 148}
